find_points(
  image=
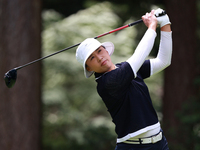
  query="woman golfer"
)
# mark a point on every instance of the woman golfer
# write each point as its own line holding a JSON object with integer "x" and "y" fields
{"x": 122, "y": 88}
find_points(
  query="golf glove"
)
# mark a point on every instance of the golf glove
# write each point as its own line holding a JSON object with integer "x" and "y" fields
{"x": 163, "y": 20}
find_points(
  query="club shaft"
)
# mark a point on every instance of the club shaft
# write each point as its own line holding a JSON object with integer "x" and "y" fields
{"x": 120, "y": 28}
{"x": 32, "y": 62}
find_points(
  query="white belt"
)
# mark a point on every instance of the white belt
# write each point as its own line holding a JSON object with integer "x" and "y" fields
{"x": 149, "y": 140}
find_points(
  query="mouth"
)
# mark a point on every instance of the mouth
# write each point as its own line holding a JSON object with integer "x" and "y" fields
{"x": 104, "y": 63}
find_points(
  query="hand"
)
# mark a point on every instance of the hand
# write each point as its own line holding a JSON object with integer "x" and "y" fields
{"x": 163, "y": 20}
{"x": 150, "y": 20}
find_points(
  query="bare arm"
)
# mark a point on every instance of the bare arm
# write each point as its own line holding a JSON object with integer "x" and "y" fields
{"x": 166, "y": 28}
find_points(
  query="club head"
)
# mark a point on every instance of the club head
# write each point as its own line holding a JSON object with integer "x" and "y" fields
{"x": 10, "y": 78}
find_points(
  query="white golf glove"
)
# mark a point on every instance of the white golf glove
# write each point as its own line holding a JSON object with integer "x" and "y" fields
{"x": 163, "y": 20}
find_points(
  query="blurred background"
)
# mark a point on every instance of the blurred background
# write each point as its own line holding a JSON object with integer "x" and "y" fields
{"x": 54, "y": 107}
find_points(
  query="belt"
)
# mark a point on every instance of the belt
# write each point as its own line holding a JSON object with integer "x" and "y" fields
{"x": 149, "y": 140}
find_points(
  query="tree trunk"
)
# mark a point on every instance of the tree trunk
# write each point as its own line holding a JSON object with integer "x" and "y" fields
{"x": 179, "y": 77}
{"x": 20, "y": 106}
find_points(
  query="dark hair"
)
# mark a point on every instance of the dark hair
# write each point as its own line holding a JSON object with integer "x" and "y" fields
{"x": 86, "y": 66}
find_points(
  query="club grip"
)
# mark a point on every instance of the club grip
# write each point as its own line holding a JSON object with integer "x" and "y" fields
{"x": 162, "y": 14}
{"x": 139, "y": 21}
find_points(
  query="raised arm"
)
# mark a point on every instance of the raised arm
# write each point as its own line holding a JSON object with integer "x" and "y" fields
{"x": 146, "y": 44}
{"x": 163, "y": 58}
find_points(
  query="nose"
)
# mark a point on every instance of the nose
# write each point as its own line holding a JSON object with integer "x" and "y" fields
{"x": 99, "y": 58}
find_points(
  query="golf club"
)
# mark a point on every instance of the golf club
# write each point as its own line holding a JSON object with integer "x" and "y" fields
{"x": 11, "y": 76}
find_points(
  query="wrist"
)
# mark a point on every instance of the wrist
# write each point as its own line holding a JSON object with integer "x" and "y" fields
{"x": 166, "y": 28}
{"x": 153, "y": 26}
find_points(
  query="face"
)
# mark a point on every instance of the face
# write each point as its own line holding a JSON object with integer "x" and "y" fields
{"x": 99, "y": 61}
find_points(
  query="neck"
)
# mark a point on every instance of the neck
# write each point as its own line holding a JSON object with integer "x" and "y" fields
{"x": 97, "y": 75}
{"x": 112, "y": 68}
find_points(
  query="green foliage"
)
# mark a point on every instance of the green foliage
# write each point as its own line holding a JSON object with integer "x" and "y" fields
{"x": 75, "y": 117}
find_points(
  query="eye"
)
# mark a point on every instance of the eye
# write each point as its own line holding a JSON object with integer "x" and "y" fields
{"x": 99, "y": 50}
{"x": 92, "y": 57}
